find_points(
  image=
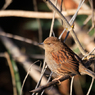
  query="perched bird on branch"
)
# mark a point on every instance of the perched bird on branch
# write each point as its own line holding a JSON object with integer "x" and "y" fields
{"x": 62, "y": 60}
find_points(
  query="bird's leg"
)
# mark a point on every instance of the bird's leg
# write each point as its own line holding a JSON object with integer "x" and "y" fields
{"x": 57, "y": 79}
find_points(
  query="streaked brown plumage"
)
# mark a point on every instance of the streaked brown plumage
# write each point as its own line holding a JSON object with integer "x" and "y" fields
{"x": 62, "y": 60}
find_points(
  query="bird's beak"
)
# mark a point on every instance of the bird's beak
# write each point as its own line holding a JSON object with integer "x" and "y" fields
{"x": 41, "y": 43}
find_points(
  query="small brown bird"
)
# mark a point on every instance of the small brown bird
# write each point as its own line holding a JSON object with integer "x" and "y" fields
{"x": 62, "y": 60}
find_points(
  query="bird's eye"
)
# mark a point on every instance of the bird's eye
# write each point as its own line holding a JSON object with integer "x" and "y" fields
{"x": 48, "y": 43}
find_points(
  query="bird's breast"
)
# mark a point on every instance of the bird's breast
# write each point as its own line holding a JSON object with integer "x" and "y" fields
{"x": 50, "y": 62}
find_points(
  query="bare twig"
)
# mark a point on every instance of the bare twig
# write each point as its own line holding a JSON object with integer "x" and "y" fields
{"x": 72, "y": 31}
{"x": 61, "y": 5}
{"x": 78, "y": 43}
{"x": 24, "y": 61}
{"x": 38, "y": 20}
{"x": 52, "y": 24}
{"x": 85, "y": 6}
{"x": 7, "y": 3}
{"x": 71, "y": 86}
{"x": 66, "y": 36}
{"x": 47, "y": 82}
{"x": 37, "y": 56}
{"x": 40, "y": 15}
{"x": 75, "y": 15}
{"x": 67, "y": 26}
{"x": 39, "y": 89}
{"x": 27, "y": 76}
{"x": 90, "y": 86}
{"x": 52, "y": 83}
{"x": 12, "y": 72}
{"x": 44, "y": 67}
{"x": 61, "y": 9}
{"x": 87, "y": 40}
{"x": 21, "y": 58}
{"x": 89, "y": 54}
{"x": 91, "y": 4}
{"x": 16, "y": 37}
{"x": 92, "y": 78}
{"x": 42, "y": 74}
{"x": 87, "y": 19}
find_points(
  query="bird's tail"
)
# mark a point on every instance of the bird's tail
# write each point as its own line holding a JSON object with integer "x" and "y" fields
{"x": 83, "y": 70}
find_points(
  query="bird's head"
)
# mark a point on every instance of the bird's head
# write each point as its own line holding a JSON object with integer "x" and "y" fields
{"x": 52, "y": 43}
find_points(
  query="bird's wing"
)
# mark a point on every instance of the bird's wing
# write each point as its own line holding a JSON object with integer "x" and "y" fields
{"x": 66, "y": 61}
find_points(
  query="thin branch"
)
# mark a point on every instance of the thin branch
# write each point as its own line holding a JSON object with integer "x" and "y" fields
{"x": 93, "y": 25}
{"x": 71, "y": 86}
{"x": 38, "y": 20}
{"x": 61, "y": 9}
{"x": 42, "y": 74}
{"x": 75, "y": 15}
{"x": 41, "y": 15}
{"x": 90, "y": 86}
{"x": 73, "y": 18}
{"x": 67, "y": 26}
{"x": 52, "y": 24}
{"x": 87, "y": 40}
{"x": 92, "y": 78}
{"x": 12, "y": 73}
{"x": 21, "y": 58}
{"x": 87, "y": 19}
{"x": 51, "y": 31}
{"x": 89, "y": 54}
{"x": 39, "y": 89}
{"x": 85, "y": 6}
{"x": 7, "y": 3}
{"x": 78, "y": 43}
{"x": 47, "y": 82}
{"x": 91, "y": 4}
{"x": 61, "y": 5}
{"x": 24, "y": 61}
{"x": 27, "y": 76}
{"x": 66, "y": 36}
{"x": 52, "y": 83}
{"x": 37, "y": 56}
{"x": 16, "y": 37}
